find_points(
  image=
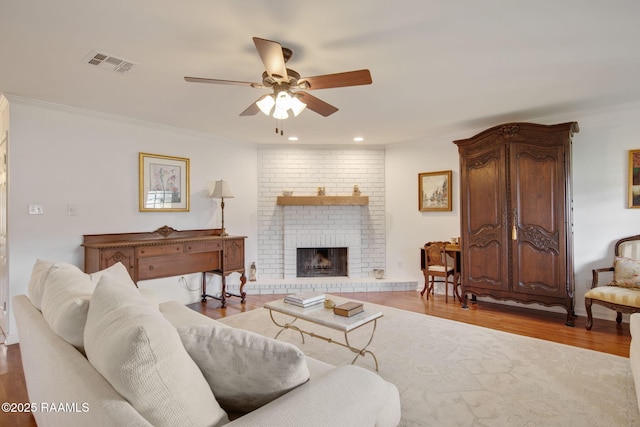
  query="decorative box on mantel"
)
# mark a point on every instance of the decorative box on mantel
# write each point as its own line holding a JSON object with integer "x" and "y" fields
{"x": 323, "y": 200}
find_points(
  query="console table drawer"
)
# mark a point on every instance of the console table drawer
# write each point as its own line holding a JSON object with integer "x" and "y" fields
{"x": 166, "y": 266}
{"x": 147, "y": 251}
{"x": 196, "y": 247}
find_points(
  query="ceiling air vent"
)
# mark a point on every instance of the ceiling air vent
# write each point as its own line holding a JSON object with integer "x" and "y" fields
{"x": 109, "y": 62}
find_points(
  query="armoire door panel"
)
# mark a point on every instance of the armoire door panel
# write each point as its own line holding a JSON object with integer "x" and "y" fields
{"x": 485, "y": 266}
{"x": 486, "y": 243}
{"x": 483, "y": 195}
{"x": 538, "y": 186}
{"x": 537, "y": 200}
{"x": 539, "y": 272}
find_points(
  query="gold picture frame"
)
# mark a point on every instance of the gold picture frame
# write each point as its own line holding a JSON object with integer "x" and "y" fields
{"x": 434, "y": 191}
{"x": 634, "y": 178}
{"x": 163, "y": 183}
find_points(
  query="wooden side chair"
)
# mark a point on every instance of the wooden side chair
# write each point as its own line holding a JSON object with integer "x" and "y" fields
{"x": 622, "y": 294}
{"x": 438, "y": 264}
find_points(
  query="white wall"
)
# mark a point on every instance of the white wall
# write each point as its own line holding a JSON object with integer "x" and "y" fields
{"x": 600, "y": 173}
{"x": 60, "y": 156}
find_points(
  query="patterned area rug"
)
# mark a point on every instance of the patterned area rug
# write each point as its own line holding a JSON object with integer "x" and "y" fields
{"x": 453, "y": 374}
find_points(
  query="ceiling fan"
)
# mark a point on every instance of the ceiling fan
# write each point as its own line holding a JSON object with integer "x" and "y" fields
{"x": 288, "y": 87}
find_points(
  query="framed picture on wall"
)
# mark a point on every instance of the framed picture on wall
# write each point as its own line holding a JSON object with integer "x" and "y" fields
{"x": 434, "y": 191}
{"x": 634, "y": 178}
{"x": 163, "y": 183}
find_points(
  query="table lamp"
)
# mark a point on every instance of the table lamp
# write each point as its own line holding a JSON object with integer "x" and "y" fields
{"x": 222, "y": 191}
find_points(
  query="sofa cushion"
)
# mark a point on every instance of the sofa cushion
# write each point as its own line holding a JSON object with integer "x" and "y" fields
{"x": 39, "y": 275}
{"x": 65, "y": 302}
{"x": 615, "y": 295}
{"x": 626, "y": 272}
{"x": 245, "y": 370}
{"x": 140, "y": 353}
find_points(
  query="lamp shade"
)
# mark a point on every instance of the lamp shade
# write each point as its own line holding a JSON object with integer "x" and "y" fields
{"x": 222, "y": 190}
{"x": 266, "y": 104}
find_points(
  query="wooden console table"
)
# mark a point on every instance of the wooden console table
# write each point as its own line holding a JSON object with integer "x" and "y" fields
{"x": 168, "y": 252}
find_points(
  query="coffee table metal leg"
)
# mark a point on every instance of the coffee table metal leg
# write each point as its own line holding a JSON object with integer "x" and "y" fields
{"x": 362, "y": 351}
{"x": 286, "y": 326}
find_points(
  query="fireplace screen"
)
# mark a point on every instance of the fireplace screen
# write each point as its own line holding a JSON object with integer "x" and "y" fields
{"x": 322, "y": 262}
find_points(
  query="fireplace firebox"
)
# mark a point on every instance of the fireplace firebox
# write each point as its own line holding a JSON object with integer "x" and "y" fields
{"x": 322, "y": 262}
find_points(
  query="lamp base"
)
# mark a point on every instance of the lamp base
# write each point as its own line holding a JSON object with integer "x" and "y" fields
{"x": 223, "y": 233}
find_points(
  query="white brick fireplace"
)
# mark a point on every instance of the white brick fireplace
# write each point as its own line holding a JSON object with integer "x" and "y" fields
{"x": 282, "y": 229}
{"x": 323, "y": 226}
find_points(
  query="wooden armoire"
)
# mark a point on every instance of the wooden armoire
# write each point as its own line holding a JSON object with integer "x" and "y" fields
{"x": 516, "y": 219}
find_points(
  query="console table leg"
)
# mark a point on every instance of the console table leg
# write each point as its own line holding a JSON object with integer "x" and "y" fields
{"x": 204, "y": 287}
{"x": 243, "y": 294}
{"x": 223, "y": 293}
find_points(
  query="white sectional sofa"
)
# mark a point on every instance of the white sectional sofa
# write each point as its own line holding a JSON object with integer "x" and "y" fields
{"x": 102, "y": 354}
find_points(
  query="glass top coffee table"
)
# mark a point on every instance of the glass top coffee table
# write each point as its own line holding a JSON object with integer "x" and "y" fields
{"x": 319, "y": 315}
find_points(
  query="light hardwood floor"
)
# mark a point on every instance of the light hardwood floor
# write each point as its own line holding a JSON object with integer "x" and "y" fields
{"x": 606, "y": 336}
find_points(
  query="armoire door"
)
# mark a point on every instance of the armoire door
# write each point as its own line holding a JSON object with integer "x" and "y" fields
{"x": 485, "y": 242}
{"x": 538, "y": 219}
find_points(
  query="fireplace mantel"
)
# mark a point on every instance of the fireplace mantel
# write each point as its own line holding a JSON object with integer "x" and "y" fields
{"x": 323, "y": 200}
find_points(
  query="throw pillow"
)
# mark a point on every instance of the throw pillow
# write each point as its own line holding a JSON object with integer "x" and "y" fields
{"x": 65, "y": 302}
{"x": 626, "y": 272}
{"x": 140, "y": 353}
{"x": 245, "y": 370}
{"x": 39, "y": 275}
{"x": 117, "y": 270}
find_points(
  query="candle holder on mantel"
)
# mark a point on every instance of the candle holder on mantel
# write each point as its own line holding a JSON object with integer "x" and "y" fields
{"x": 321, "y": 191}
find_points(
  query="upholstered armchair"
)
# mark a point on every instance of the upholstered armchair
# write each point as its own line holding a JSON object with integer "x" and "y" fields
{"x": 622, "y": 294}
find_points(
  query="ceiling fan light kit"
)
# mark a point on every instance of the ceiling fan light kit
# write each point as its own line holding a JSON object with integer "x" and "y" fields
{"x": 282, "y": 80}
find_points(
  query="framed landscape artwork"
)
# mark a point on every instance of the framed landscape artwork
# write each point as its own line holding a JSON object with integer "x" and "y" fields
{"x": 164, "y": 183}
{"x": 434, "y": 191}
{"x": 634, "y": 178}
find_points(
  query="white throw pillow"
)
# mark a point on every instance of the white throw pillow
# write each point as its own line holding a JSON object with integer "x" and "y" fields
{"x": 245, "y": 370}
{"x": 65, "y": 302}
{"x": 140, "y": 353}
{"x": 117, "y": 270}
{"x": 39, "y": 275}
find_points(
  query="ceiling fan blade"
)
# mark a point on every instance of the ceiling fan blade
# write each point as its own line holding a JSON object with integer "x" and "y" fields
{"x": 253, "y": 109}
{"x": 348, "y": 78}
{"x": 222, "y": 82}
{"x": 271, "y": 54}
{"x": 315, "y": 104}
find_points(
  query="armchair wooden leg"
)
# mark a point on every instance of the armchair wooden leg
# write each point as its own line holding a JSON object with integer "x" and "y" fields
{"x": 587, "y": 304}
{"x": 619, "y": 317}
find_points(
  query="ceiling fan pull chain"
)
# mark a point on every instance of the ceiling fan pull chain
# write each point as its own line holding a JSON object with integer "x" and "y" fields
{"x": 281, "y": 131}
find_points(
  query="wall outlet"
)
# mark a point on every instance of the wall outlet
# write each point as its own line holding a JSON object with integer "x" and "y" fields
{"x": 588, "y": 283}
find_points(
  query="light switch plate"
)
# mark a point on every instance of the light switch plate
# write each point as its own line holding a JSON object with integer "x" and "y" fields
{"x": 35, "y": 210}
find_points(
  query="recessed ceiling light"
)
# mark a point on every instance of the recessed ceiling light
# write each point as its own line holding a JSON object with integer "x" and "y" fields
{"x": 358, "y": 139}
{"x": 293, "y": 138}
